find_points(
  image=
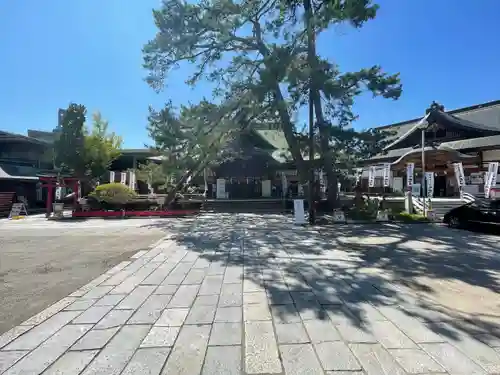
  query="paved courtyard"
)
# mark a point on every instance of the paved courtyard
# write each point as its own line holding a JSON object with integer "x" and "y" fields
{"x": 246, "y": 294}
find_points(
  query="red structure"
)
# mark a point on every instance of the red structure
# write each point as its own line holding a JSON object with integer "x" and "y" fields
{"x": 52, "y": 182}
{"x": 122, "y": 214}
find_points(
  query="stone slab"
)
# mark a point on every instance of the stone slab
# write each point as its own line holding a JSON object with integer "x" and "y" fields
{"x": 222, "y": 360}
{"x": 115, "y": 356}
{"x": 48, "y": 352}
{"x": 261, "y": 351}
{"x": 95, "y": 339}
{"x": 336, "y": 356}
{"x": 188, "y": 353}
{"x": 300, "y": 360}
{"x": 172, "y": 317}
{"x": 71, "y": 363}
{"x": 147, "y": 361}
{"x": 114, "y": 318}
{"x": 225, "y": 334}
{"x": 160, "y": 336}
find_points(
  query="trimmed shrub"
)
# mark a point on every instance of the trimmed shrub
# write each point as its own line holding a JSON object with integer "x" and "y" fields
{"x": 113, "y": 193}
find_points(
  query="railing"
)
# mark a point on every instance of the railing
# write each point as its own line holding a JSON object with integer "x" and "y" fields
{"x": 468, "y": 197}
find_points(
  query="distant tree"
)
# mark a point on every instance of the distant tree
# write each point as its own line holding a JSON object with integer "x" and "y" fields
{"x": 85, "y": 153}
{"x": 69, "y": 148}
{"x": 196, "y": 136}
{"x": 157, "y": 174}
{"x": 101, "y": 147}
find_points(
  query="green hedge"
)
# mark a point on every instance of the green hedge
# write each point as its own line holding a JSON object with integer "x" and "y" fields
{"x": 114, "y": 192}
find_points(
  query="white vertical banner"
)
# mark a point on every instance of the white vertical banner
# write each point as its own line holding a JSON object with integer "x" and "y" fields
{"x": 490, "y": 178}
{"x": 284, "y": 184}
{"x": 459, "y": 174}
{"x": 371, "y": 176}
{"x": 359, "y": 173}
{"x": 59, "y": 193}
{"x": 111, "y": 176}
{"x": 387, "y": 175}
{"x": 132, "y": 180}
{"x": 429, "y": 182}
{"x": 409, "y": 174}
{"x": 123, "y": 178}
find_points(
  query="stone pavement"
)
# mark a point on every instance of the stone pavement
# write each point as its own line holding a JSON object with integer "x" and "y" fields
{"x": 239, "y": 295}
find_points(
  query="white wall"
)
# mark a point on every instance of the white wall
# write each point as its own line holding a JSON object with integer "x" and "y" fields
{"x": 491, "y": 155}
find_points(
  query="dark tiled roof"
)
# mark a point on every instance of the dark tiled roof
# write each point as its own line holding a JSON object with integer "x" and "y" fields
{"x": 487, "y": 114}
{"x": 464, "y": 144}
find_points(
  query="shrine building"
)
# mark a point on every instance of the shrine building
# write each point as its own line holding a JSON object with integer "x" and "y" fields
{"x": 469, "y": 135}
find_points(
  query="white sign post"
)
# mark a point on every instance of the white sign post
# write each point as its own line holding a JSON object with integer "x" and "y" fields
{"x": 298, "y": 212}
{"x": 221, "y": 188}
{"x": 18, "y": 210}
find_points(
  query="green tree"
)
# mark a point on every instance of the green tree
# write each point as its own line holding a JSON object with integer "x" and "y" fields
{"x": 195, "y": 136}
{"x": 101, "y": 148}
{"x": 85, "y": 153}
{"x": 69, "y": 148}
{"x": 268, "y": 48}
{"x": 157, "y": 174}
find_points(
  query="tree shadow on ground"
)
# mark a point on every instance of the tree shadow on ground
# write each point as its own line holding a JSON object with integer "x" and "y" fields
{"x": 447, "y": 280}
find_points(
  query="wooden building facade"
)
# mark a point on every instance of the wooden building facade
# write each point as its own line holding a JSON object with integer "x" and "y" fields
{"x": 468, "y": 135}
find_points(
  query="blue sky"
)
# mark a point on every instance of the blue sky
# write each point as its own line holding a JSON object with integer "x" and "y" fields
{"x": 89, "y": 51}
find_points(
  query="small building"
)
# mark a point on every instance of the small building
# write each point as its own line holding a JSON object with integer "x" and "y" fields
{"x": 259, "y": 165}
{"x": 469, "y": 135}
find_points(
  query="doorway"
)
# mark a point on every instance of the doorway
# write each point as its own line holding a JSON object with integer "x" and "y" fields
{"x": 440, "y": 186}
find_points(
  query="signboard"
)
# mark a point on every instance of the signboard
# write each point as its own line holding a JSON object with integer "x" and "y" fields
{"x": 459, "y": 174}
{"x": 111, "y": 176}
{"x": 429, "y": 182}
{"x": 371, "y": 176}
{"x": 338, "y": 216}
{"x": 397, "y": 184}
{"x": 415, "y": 190}
{"x": 382, "y": 215}
{"x": 387, "y": 175}
{"x": 490, "y": 178}
{"x": 298, "y": 211}
{"x": 221, "y": 188}
{"x": 266, "y": 188}
{"x": 409, "y": 175}
{"x": 18, "y": 209}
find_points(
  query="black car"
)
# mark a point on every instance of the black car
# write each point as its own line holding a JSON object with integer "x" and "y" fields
{"x": 482, "y": 215}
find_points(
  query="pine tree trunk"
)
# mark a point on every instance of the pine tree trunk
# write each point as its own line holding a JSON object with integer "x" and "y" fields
{"x": 323, "y": 126}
